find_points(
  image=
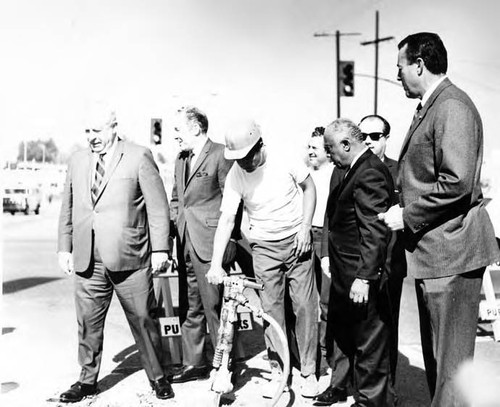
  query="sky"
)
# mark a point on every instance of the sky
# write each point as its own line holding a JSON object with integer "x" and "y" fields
{"x": 232, "y": 58}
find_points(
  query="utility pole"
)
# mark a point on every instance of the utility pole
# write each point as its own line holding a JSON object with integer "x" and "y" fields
{"x": 337, "y": 35}
{"x": 376, "y": 42}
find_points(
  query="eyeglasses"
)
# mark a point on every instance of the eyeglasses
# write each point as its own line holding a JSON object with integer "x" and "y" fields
{"x": 374, "y": 136}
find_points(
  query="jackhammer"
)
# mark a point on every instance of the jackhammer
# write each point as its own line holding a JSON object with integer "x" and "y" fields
{"x": 232, "y": 297}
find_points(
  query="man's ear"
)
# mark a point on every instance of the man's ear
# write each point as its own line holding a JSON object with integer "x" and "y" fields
{"x": 346, "y": 145}
{"x": 420, "y": 66}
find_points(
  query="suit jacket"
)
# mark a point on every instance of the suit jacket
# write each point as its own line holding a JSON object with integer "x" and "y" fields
{"x": 393, "y": 169}
{"x": 195, "y": 204}
{"x": 357, "y": 239}
{"x": 130, "y": 217}
{"x": 447, "y": 229}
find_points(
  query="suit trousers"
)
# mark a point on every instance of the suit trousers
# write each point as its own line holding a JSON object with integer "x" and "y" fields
{"x": 280, "y": 269}
{"x": 93, "y": 293}
{"x": 448, "y": 309}
{"x": 361, "y": 339}
{"x": 199, "y": 305}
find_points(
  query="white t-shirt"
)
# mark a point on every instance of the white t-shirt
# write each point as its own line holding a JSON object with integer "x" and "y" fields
{"x": 321, "y": 178}
{"x": 271, "y": 195}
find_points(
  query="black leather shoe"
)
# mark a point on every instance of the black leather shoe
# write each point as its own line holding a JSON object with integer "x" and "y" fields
{"x": 162, "y": 389}
{"x": 330, "y": 396}
{"x": 77, "y": 392}
{"x": 188, "y": 373}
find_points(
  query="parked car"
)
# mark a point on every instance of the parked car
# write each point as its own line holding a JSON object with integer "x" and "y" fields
{"x": 22, "y": 199}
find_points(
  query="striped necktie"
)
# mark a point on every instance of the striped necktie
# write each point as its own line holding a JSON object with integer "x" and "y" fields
{"x": 99, "y": 175}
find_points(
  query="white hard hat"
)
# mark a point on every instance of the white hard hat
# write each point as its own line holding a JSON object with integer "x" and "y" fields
{"x": 240, "y": 138}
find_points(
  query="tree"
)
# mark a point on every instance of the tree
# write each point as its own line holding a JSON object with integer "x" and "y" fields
{"x": 35, "y": 151}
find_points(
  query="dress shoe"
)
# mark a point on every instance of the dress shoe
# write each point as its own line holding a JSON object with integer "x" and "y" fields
{"x": 162, "y": 389}
{"x": 77, "y": 392}
{"x": 330, "y": 396}
{"x": 188, "y": 373}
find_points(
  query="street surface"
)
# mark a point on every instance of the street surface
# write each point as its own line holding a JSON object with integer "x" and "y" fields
{"x": 39, "y": 338}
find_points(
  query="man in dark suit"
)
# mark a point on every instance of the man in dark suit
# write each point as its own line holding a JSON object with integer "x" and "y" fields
{"x": 357, "y": 244}
{"x": 200, "y": 174}
{"x": 448, "y": 235}
{"x": 376, "y": 130}
{"x": 113, "y": 231}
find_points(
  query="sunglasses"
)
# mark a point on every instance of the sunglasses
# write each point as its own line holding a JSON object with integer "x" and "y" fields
{"x": 374, "y": 136}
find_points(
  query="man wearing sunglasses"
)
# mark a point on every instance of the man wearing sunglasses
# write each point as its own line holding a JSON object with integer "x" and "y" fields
{"x": 376, "y": 130}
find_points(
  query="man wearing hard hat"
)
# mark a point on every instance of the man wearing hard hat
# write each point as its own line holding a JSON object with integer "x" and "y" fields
{"x": 280, "y": 236}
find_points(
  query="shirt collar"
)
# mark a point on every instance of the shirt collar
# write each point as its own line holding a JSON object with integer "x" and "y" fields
{"x": 431, "y": 89}
{"x": 356, "y": 158}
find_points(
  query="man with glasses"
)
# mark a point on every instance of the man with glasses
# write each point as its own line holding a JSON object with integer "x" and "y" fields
{"x": 280, "y": 237}
{"x": 376, "y": 130}
{"x": 113, "y": 233}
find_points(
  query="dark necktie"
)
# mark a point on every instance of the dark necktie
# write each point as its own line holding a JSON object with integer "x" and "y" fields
{"x": 99, "y": 175}
{"x": 187, "y": 167}
{"x": 416, "y": 114}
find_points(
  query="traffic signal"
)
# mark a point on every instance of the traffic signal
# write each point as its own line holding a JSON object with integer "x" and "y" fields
{"x": 345, "y": 78}
{"x": 155, "y": 131}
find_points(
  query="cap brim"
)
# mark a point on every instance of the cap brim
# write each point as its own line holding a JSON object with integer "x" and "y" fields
{"x": 236, "y": 154}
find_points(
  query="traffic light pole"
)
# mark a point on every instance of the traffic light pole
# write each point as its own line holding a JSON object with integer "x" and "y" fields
{"x": 337, "y": 65}
{"x": 376, "y": 42}
{"x": 337, "y": 35}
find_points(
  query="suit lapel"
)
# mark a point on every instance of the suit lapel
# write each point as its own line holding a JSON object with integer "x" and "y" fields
{"x": 117, "y": 156}
{"x": 202, "y": 157}
{"x": 416, "y": 123}
{"x": 90, "y": 174}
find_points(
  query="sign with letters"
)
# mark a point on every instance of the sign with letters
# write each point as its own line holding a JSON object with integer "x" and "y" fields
{"x": 170, "y": 326}
{"x": 245, "y": 321}
{"x": 488, "y": 312}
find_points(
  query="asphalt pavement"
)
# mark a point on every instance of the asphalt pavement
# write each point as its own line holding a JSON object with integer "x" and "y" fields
{"x": 39, "y": 339}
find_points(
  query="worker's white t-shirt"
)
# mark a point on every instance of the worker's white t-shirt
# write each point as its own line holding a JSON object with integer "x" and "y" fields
{"x": 271, "y": 195}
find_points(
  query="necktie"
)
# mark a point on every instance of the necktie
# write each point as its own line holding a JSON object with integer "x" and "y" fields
{"x": 187, "y": 167}
{"x": 99, "y": 175}
{"x": 416, "y": 114}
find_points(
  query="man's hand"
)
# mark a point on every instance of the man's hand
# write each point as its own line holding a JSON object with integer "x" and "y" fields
{"x": 393, "y": 218}
{"x": 302, "y": 241}
{"x": 65, "y": 260}
{"x": 359, "y": 291}
{"x": 215, "y": 274}
{"x": 159, "y": 262}
{"x": 325, "y": 266}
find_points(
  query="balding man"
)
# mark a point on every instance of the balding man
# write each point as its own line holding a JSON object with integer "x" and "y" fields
{"x": 113, "y": 232}
{"x": 357, "y": 245}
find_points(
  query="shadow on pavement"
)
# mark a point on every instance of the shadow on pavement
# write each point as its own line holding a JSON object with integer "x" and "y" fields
{"x": 130, "y": 363}
{"x": 13, "y": 286}
{"x": 411, "y": 384}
